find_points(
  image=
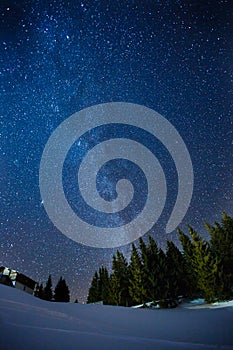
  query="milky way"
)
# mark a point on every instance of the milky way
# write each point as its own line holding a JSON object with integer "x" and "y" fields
{"x": 59, "y": 57}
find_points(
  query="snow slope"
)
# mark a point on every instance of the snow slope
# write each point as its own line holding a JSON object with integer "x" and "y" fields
{"x": 30, "y": 323}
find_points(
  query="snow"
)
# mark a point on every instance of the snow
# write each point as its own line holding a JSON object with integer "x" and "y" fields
{"x": 30, "y": 323}
{"x": 197, "y": 301}
{"x": 201, "y": 304}
{"x": 149, "y": 305}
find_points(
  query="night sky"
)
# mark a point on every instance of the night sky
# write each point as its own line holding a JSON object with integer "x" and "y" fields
{"x": 59, "y": 57}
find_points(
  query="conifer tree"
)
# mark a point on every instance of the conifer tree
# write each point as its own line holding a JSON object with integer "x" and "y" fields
{"x": 221, "y": 245}
{"x": 39, "y": 292}
{"x": 61, "y": 292}
{"x": 144, "y": 252}
{"x": 48, "y": 293}
{"x": 162, "y": 276}
{"x": 146, "y": 268}
{"x": 207, "y": 268}
{"x": 175, "y": 270}
{"x": 152, "y": 268}
{"x": 119, "y": 281}
{"x": 136, "y": 281}
{"x": 115, "y": 292}
{"x": 190, "y": 282}
{"x": 94, "y": 291}
{"x": 103, "y": 286}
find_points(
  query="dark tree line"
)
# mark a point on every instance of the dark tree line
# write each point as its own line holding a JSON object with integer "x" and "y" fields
{"x": 204, "y": 268}
{"x": 61, "y": 292}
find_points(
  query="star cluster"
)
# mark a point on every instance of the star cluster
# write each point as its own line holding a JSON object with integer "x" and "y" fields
{"x": 58, "y": 57}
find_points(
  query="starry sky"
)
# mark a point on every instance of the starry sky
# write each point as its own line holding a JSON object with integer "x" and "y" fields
{"x": 58, "y": 57}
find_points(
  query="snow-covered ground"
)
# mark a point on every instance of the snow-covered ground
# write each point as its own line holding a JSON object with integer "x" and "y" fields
{"x": 201, "y": 304}
{"x": 29, "y": 323}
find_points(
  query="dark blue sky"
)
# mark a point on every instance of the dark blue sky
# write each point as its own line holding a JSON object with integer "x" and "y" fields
{"x": 58, "y": 57}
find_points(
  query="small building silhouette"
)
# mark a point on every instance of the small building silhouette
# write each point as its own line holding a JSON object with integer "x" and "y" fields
{"x": 16, "y": 279}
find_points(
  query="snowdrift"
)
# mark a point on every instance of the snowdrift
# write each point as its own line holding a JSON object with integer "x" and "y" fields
{"x": 30, "y": 323}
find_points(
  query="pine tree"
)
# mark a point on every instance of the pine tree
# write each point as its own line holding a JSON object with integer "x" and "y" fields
{"x": 190, "y": 283}
{"x": 176, "y": 271}
{"x": 152, "y": 268}
{"x": 145, "y": 266}
{"x": 94, "y": 290}
{"x": 103, "y": 286}
{"x": 39, "y": 292}
{"x": 48, "y": 293}
{"x": 154, "y": 271}
{"x": 207, "y": 268}
{"x": 119, "y": 281}
{"x": 136, "y": 283}
{"x": 115, "y": 291}
{"x": 61, "y": 292}
{"x": 221, "y": 245}
{"x": 162, "y": 276}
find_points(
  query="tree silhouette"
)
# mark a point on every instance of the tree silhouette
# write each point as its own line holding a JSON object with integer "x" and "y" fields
{"x": 61, "y": 292}
{"x": 48, "y": 293}
{"x": 94, "y": 292}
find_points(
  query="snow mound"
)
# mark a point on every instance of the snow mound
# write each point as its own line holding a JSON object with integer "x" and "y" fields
{"x": 30, "y": 323}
